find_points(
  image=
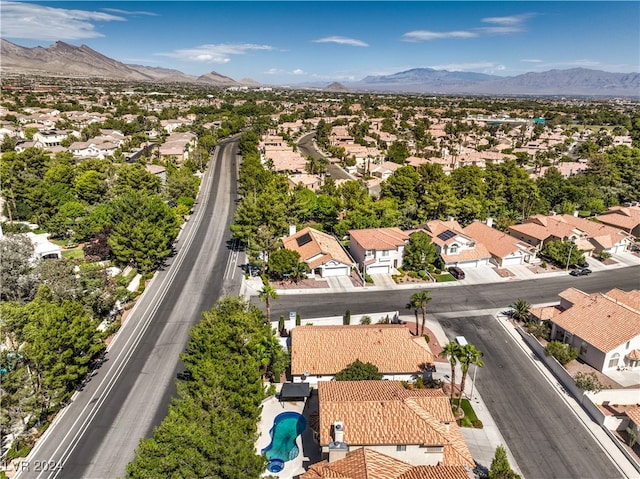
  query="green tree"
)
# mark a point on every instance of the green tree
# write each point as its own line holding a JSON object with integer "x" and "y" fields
{"x": 136, "y": 178}
{"x": 562, "y": 252}
{"x": 414, "y": 303}
{"x": 469, "y": 355}
{"x": 144, "y": 228}
{"x": 17, "y": 283}
{"x": 359, "y": 371}
{"x": 451, "y": 351}
{"x": 500, "y": 467}
{"x": 419, "y": 253}
{"x": 90, "y": 186}
{"x": 283, "y": 262}
{"x": 564, "y": 353}
{"x": 266, "y": 294}
{"x": 398, "y": 152}
{"x": 421, "y": 298}
{"x": 589, "y": 381}
{"x": 520, "y": 310}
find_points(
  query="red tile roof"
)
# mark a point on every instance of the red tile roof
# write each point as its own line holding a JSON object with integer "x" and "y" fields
{"x": 379, "y": 239}
{"x": 602, "y": 320}
{"x": 326, "y": 350}
{"x": 498, "y": 243}
{"x": 316, "y": 249}
{"x": 385, "y": 412}
{"x": 365, "y": 463}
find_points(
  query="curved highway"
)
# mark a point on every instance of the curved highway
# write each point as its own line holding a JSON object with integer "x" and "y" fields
{"x": 96, "y": 435}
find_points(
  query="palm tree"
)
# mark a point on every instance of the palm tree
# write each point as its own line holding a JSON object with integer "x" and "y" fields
{"x": 266, "y": 294}
{"x": 469, "y": 355}
{"x": 415, "y": 305}
{"x": 421, "y": 299}
{"x": 520, "y": 310}
{"x": 451, "y": 351}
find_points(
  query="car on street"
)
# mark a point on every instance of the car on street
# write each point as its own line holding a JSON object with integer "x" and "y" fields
{"x": 580, "y": 272}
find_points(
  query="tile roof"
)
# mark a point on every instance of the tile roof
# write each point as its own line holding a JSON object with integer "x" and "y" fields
{"x": 542, "y": 227}
{"x": 383, "y": 414}
{"x": 602, "y": 320}
{"x": 573, "y": 295}
{"x": 365, "y": 463}
{"x": 634, "y": 414}
{"x": 379, "y": 238}
{"x": 606, "y": 235}
{"x": 316, "y": 248}
{"x": 627, "y": 217}
{"x": 326, "y": 350}
{"x": 498, "y": 243}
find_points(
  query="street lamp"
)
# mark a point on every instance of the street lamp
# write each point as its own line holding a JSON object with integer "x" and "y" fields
{"x": 473, "y": 381}
{"x": 569, "y": 257}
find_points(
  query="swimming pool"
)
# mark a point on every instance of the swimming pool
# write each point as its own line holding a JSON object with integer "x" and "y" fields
{"x": 287, "y": 426}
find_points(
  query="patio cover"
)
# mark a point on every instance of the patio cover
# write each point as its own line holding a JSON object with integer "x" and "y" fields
{"x": 294, "y": 392}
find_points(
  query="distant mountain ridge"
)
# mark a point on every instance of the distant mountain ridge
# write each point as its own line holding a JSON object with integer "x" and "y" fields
{"x": 62, "y": 59}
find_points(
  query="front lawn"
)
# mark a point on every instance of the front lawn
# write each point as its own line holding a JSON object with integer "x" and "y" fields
{"x": 470, "y": 419}
{"x": 73, "y": 253}
{"x": 444, "y": 277}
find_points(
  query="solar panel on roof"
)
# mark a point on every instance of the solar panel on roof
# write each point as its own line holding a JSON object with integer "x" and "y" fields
{"x": 304, "y": 239}
{"x": 445, "y": 235}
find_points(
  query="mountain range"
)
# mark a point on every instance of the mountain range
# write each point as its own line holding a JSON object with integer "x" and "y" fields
{"x": 62, "y": 59}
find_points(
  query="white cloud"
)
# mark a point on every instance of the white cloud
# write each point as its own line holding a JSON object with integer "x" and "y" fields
{"x": 278, "y": 71}
{"x": 511, "y": 20}
{"x": 220, "y": 53}
{"x": 342, "y": 41}
{"x": 531, "y": 60}
{"x": 425, "y": 35}
{"x": 474, "y": 66}
{"x": 37, "y": 22}
{"x": 128, "y": 12}
{"x": 297, "y": 71}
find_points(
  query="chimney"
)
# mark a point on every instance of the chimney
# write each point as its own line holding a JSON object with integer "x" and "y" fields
{"x": 292, "y": 230}
{"x": 338, "y": 431}
{"x": 575, "y": 213}
{"x": 490, "y": 222}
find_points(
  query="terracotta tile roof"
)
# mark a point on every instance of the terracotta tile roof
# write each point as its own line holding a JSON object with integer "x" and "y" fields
{"x": 479, "y": 252}
{"x": 631, "y": 299}
{"x": 365, "y": 463}
{"x": 379, "y": 239}
{"x": 626, "y": 217}
{"x": 546, "y": 312}
{"x": 634, "y": 414}
{"x": 498, "y": 243}
{"x": 633, "y": 354}
{"x": 326, "y": 350}
{"x": 606, "y": 235}
{"x": 316, "y": 247}
{"x": 601, "y": 320}
{"x": 542, "y": 227}
{"x": 573, "y": 295}
{"x": 413, "y": 417}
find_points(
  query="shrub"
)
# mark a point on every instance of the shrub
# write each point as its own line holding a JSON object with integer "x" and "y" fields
{"x": 477, "y": 424}
{"x": 368, "y": 278}
{"x": 298, "y": 319}
{"x": 543, "y": 265}
{"x": 347, "y": 317}
{"x": 281, "y": 323}
{"x": 365, "y": 320}
{"x": 271, "y": 390}
{"x": 562, "y": 352}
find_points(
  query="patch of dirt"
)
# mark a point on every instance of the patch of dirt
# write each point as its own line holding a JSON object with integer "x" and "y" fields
{"x": 537, "y": 269}
{"x": 406, "y": 279}
{"x": 301, "y": 284}
{"x": 576, "y": 366}
{"x": 504, "y": 272}
{"x": 609, "y": 261}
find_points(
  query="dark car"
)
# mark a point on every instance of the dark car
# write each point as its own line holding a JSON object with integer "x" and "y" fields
{"x": 456, "y": 272}
{"x": 580, "y": 272}
{"x": 185, "y": 375}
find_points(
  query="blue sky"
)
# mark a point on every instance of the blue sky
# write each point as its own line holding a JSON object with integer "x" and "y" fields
{"x": 294, "y": 42}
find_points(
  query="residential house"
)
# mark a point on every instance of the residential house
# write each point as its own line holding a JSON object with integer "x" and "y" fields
{"x": 505, "y": 250}
{"x": 588, "y": 235}
{"x": 415, "y": 426}
{"x": 626, "y": 218}
{"x": 378, "y": 250}
{"x": 633, "y": 426}
{"x": 322, "y": 252}
{"x": 368, "y": 463}
{"x": 311, "y": 182}
{"x": 384, "y": 170}
{"x": 318, "y": 353}
{"x": 159, "y": 171}
{"x": 178, "y": 146}
{"x": 455, "y": 247}
{"x": 604, "y": 327}
{"x": 43, "y": 248}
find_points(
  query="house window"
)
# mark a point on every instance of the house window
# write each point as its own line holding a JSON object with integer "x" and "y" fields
{"x": 613, "y": 362}
{"x": 401, "y": 448}
{"x": 384, "y": 253}
{"x": 583, "y": 349}
{"x": 453, "y": 249}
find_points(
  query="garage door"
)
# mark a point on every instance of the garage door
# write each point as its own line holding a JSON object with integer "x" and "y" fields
{"x": 337, "y": 271}
{"x": 512, "y": 261}
{"x": 378, "y": 269}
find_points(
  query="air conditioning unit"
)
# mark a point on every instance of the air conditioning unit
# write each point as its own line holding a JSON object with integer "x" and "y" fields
{"x": 338, "y": 431}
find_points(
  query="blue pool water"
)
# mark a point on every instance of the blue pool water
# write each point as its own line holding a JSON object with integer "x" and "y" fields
{"x": 287, "y": 426}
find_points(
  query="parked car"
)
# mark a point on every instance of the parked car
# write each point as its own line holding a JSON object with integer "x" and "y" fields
{"x": 456, "y": 272}
{"x": 185, "y": 375}
{"x": 580, "y": 272}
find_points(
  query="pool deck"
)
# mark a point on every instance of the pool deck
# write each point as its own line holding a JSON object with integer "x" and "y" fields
{"x": 309, "y": 449}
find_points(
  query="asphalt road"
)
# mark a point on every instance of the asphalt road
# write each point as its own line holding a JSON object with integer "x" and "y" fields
{"x": 545, "y": 437}
{"x": 308, "y": 148}
{"x": 96, "y": 435}
{"x": 450, "y": 297}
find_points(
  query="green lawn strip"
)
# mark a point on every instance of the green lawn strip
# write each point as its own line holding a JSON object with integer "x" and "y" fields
{"x": 444, "y": 277}
{"x": 72, "y": 253}
{"x": 469, "y": 414}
